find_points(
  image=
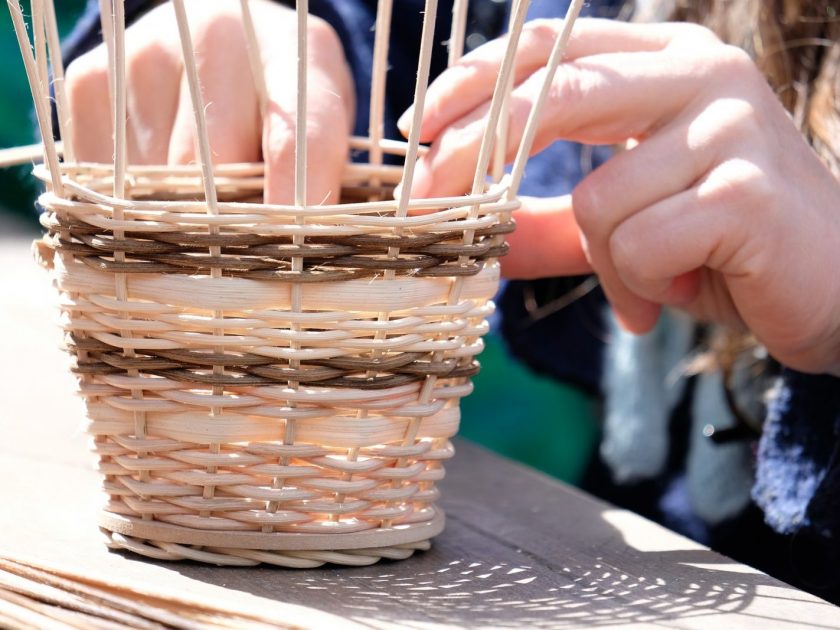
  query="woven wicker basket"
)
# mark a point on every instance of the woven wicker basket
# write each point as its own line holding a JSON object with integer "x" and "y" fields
{"x": 269, "y": 383}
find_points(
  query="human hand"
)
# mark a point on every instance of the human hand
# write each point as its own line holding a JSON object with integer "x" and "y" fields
{"x": 720, "y": 208}
{"x": 160, "y": 121}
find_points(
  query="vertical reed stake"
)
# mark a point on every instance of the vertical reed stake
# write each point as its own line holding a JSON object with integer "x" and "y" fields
{"x": 35, "y": 87}
{"x": 557, "y": 52}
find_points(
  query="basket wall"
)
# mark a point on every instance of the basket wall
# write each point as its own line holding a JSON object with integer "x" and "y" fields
{"x": 246, "y": 408}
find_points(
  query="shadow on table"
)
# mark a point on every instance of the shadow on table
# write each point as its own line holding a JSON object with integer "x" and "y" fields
{"x": 468, "y": 579}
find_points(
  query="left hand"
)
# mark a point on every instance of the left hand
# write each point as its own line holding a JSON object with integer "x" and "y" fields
{"x": 160, "y": 123}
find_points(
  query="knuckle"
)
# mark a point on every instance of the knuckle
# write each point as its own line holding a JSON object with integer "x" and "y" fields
{"x": 326, "y": 133}
{"x": 728, "y": 120}
{"x": 624, "y": 253}
{"x": 230, "y": 146}
{"x": 147, "y": 58}
{"x": 694, "y": 34}
{"x": 716, "y": 62}
{"x": 745, "y": 120}
{"x": 323, "y": 141}
{"x": 760, "y": 191}
{"x": 733, "y": 68}
{"x": 454, "y": 151}
{"x": 463, "y": 137}
{"x": 570, "y": 87}
{"x": 218, "y": 31}
{"x": 542, "y": 30}
{"x": 586, "y": 205}
{"x": 323, "y": 36}
{"x": 734, "y": 60}
{"x": 743, "y": 183}
{"x": 519, "y": 108}
{"x": 87, "y": 77}
{"x": 639, "y": 271}
{"x": 327, "y": 53}
{"x": 279, "y": 141}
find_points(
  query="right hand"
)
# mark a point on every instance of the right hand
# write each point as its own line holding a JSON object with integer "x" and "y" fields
{"x": 161, "y": 127}
{"x": 721, "y": 208}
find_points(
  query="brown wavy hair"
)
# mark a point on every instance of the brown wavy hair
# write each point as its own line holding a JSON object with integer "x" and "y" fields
{"x": 795, "y": 43}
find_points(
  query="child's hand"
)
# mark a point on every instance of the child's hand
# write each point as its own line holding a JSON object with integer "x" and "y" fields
{"x": 161, "y": 126}
{"x": 721, "y": 209}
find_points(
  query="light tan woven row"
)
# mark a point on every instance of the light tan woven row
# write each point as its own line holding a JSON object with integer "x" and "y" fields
{"x": 239, "y": 180}
{"x": 152, "y": 292}
{"x": 470, "y": 212}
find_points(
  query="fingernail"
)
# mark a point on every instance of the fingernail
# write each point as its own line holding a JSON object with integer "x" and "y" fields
{"x": 584, "y": 245}
{"x": 404, "y": 123}
{"x": 682, "y": 290}
{"x": 638, "y": 319}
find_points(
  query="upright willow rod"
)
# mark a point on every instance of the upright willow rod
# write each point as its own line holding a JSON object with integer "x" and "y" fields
{"x": 377, "y": 83}
{"x": 65, "y": 124}
{"x": 459, "y": 29}
{"x": 485, "y": 152}
{"x": 120, "y": 100}
{"x": 420, "y": 87}
{"x": 34, "y": 80}
{"x": 254, "y": 57}
{"x": 557, "y": 52}
{"x": 203, "y": 142}
{"x": 500, "y": 148}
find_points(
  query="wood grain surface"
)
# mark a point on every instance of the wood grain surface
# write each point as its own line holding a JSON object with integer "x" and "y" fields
{"x": 519, "y": 550}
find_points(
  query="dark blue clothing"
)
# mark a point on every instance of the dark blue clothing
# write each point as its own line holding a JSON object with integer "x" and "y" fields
{"x": 792, "y": 530}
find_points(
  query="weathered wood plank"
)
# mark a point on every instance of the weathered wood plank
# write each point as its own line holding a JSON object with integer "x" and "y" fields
{"x": 521, "y": 550}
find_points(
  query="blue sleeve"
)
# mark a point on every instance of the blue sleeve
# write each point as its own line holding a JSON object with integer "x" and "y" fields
{"x": 798, "y": 474}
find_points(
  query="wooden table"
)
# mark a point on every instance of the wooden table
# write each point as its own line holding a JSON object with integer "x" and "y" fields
{"x": 519, "y": 550}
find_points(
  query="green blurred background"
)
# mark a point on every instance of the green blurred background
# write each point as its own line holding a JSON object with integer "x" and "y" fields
{"x": 512, "y": 411}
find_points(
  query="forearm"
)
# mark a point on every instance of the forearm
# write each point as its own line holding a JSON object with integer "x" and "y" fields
{"x": 546, "y": 242}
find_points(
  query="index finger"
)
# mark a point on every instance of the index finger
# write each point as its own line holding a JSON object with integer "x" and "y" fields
{"x": 472, "y": 79}
{"x": 599, "y": 99}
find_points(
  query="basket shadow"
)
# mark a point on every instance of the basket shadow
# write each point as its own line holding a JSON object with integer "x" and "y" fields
{"x": 521, "y": 550}
{"x": 470, "y": 579}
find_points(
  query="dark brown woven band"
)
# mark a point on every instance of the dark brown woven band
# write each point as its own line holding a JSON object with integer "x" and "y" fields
{"x": 270, "y": 257}
{"x": 196, "y": 366}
